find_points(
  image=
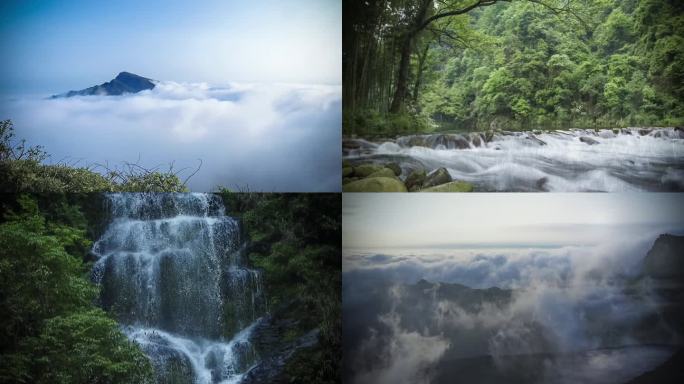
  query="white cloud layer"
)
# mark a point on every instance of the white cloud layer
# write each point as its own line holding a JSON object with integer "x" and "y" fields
{"x": 564, "y": 300}
{"x": 270, "y": 137}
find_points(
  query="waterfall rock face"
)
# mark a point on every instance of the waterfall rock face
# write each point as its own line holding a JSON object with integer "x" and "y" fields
{"x": 171, "y": 271}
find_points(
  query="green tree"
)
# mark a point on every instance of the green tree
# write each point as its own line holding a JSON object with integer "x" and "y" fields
{"x": 50, "y": 330}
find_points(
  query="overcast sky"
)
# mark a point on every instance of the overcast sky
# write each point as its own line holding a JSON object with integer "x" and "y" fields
{"x": 433, "y": 220}
{"x": 51, "y": 46}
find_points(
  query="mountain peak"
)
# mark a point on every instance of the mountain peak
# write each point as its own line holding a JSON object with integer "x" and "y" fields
{"x": 128, "y": 75}
{"x": 124, "y": 82}
{"x": 664, "y": 259}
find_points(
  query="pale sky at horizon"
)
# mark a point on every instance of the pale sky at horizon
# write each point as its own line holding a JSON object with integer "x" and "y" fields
{"x": 53, "y": 46}
{"x": 376, "y": 220}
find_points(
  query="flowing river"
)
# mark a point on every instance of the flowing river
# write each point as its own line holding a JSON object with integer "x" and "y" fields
{"x": 630, "y": 159}
{"x": 171, "y": 270}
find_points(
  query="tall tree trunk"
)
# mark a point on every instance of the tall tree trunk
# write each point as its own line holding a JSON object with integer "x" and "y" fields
{"x": 422, "y": 58}
{"x": 402, "y": 75}
{"x": 401, "y": 90}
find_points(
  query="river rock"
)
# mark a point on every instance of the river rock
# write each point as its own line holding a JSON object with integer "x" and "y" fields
{"x": 385, "y": 172}
{"x": 475, "y": 140}
{"x": 645, "y": 131}
{"x": 394, "y": 167}
{"x": 375, "y": 184}
{"x": 351, "y": 144}
{"x": 365, "y": 170}
{"x": 437, "y": 177}
{"x": 588, "y": 140}
{"x": 458, "y": 141}
{"x": 541, "y": 182}
{"x": 535, "y": 140}
{"x": 416, "y": 141}
{"x": 415, "y": 179}
{"x": 606, "y": 134}
{"x": 454, "y": 186}
{"x": 680, "y": 131}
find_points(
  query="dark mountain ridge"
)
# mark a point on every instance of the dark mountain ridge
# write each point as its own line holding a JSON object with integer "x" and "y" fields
{"x": 124, "y": 82}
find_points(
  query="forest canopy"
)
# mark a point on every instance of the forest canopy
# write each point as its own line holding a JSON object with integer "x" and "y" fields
{"x": 422, "y": 65}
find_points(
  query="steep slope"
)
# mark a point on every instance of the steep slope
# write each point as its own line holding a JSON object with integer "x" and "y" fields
{"x": 124, "y": 82}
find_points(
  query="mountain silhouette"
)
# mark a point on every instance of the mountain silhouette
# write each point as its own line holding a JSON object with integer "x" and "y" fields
{"x": 124, "y": 82}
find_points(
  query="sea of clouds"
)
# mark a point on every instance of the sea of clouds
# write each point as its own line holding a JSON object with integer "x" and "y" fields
{"x": 268, "y": 137}
{"x": 565, "y": 300}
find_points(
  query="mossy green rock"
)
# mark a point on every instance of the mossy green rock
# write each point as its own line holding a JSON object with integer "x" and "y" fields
{"x": 375, "y": 184}
{"x": 454, "y": 186}
{"x": 347, "y": 180}
{"x": 394, "y": 167}
{"x": 437, "y": 177}
{"x": 415, "y": 179}
{"x": 385, "y": 172}
{"x": 365, "y": 170}
{"x": 347, "y": 171}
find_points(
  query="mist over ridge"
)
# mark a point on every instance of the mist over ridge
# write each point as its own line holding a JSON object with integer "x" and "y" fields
{"x": 595, "y": 313}
{"x": 270, "y": 137}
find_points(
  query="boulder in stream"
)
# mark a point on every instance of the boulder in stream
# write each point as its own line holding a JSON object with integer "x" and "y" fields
{"x": 384, "y": 172}
{"x": 375, "y": 184}
{"x": 437, "y": 177}
{"x": 365, "y": 170}
{"x": 454, "y": 186}
{"x": 394, "y": 167}
{"x": 415, "y": 179}
{"x": 588, "y": 140}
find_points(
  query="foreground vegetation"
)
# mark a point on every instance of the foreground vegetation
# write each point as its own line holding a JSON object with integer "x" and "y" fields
{"x": 23, "y": 169}
{"x": 50, "y": 330}
{"x": 419, "y": 65}
{"x": 296, "y": 240}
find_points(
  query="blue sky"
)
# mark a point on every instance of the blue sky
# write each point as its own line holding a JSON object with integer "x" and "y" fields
{"x": 53, "y": 46}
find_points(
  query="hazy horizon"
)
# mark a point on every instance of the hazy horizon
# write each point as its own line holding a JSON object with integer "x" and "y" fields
{"x": 536, "y": 219}
{"x": 515, "y": 284}
{"x": 56, "y": 46}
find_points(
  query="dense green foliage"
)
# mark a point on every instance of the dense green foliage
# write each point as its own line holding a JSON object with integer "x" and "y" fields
{"x": 296, "y": 240}
{"x": 22, "y": 169}
{"x": 514, "y": 65}
{"x": 51, "y": 331}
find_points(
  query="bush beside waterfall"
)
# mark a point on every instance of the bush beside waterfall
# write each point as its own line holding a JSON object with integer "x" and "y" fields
{"x": 295, "y": 239}
{"x": 51, "y": 331}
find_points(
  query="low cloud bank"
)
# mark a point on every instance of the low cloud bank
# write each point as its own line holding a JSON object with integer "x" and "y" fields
{"x": 503, "y": 268}
{"x": 560, "y": 301}
{"x": 263, "y": 137}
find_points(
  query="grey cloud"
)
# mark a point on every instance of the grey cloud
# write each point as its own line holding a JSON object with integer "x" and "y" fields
{"x": 563, "y": 301}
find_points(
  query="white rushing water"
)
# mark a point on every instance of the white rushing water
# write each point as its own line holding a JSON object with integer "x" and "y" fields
{"x": 560, "y": 161}
{"x": 171, "y": 271}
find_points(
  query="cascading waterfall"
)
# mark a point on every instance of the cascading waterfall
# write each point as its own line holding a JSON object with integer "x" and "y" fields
{"x": 628, "y": 159}
{"x": 171, "y": 270}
